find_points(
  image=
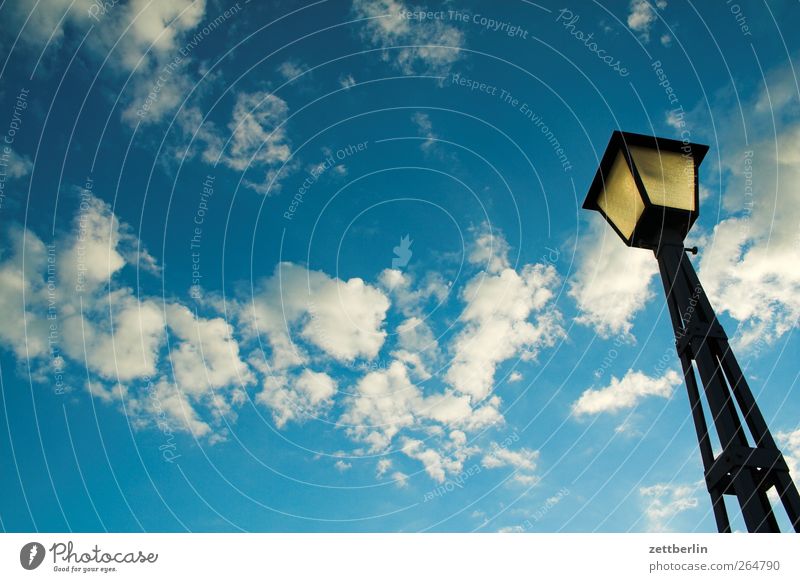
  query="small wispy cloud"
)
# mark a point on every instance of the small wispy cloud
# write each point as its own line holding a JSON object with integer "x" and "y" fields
{"x": 642, "y": 15}
{"x": 624, "y": 393}
{"x": 665, "y": 501}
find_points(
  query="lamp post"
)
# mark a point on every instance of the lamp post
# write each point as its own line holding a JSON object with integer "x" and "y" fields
{"x": 647, "y": 190}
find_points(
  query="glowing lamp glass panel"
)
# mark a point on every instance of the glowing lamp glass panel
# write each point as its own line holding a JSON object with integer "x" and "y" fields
{"x": 620, "y": 199}
{"x": 668, "y": 177}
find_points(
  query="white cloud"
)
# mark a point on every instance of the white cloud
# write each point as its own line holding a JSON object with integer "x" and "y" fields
{"x": 664, "y": 501}
{"x": 258, "y": 133}
{"x": 749, "y": 263}
{"x": 346, "y": 318}
{"x": 79, "y": 314}
{"x": 205, "y": 137}
{"x": 400, "y": 479}
{"x": 119, "y": 340}
{"x": 342, "y": 466}
{"x": 625, "y": 393}
{"x": 347, "y": 81}
{"x": 151, "y": 29}
{"x": 93, "y": 254}
{"x": 425, "y": 129}
{"x": 150, "y": 44}
{"x": 447, "y": 459}
{"x": 46, "y": 20}
{"x": 754, "y": 281}
{"x": 514, "y": 377}
{"x": 451, "y": 409}
{"x": 386, "y": 402}
{"x": 497, "y": 317}
{"x": 387, "y": 407}
{"x": 297, "y": 310}
{"x": 428, "y": 44}
{"x": 417, "y": 347}
{"x": 523, "y": 461}
{"x": 73, "y": 274}
{"x": 414, "y": 362}
{"x": 789, "y": 443}
{"x": 17, "y": 165}
{"x": 303, "y": 317}
{"x": 436, "y": 466}
{"x": 258, "y": 142}
{"x": 277, "y": 395}
{"x": 143, "y": 38}
{"x": 104, "y": 325}
{"x": 316, "y": 386}
{"x": 150, "y": 99}
{"x": 291, "y": 69}
{"x": 489, "y": 250}
{"x": 160, "y": 404}
{"x": 168, "y": 398}
{"x": 207, "y": 353}
{"x": 383, "y": 467}
{"x": 414, "y": 334}
{"x": 308, "y": 395}
{"x": 642, "y": 15}
{"x": 675, "y": 119}
{"x": 23, "y": 327}
{"x": 391, "y": 279}
{"x": 612, "y": 282}
{"x": 411, "y": 297}
{"x": 628, "y": 428}
{"x": 777, "y": 97}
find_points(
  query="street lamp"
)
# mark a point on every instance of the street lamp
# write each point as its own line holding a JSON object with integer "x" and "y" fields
{"x": 647, "y": 189}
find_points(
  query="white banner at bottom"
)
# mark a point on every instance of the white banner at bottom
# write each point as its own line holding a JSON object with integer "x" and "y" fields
{"x": 389, "y": 557}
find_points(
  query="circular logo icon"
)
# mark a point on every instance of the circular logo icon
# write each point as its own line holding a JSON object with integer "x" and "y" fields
{"x": 31, "y": 555}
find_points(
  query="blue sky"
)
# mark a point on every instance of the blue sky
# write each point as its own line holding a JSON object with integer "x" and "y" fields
{"x": 277, "y": 266}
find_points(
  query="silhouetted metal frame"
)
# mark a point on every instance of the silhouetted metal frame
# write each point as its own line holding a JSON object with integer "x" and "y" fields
{"x": 740, "y": 470}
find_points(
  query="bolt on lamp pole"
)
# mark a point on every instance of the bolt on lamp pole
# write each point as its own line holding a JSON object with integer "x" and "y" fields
{"x": 647, "y": 190}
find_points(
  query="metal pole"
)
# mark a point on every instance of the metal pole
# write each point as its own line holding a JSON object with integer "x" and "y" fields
{"x": 744, "y": 471}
